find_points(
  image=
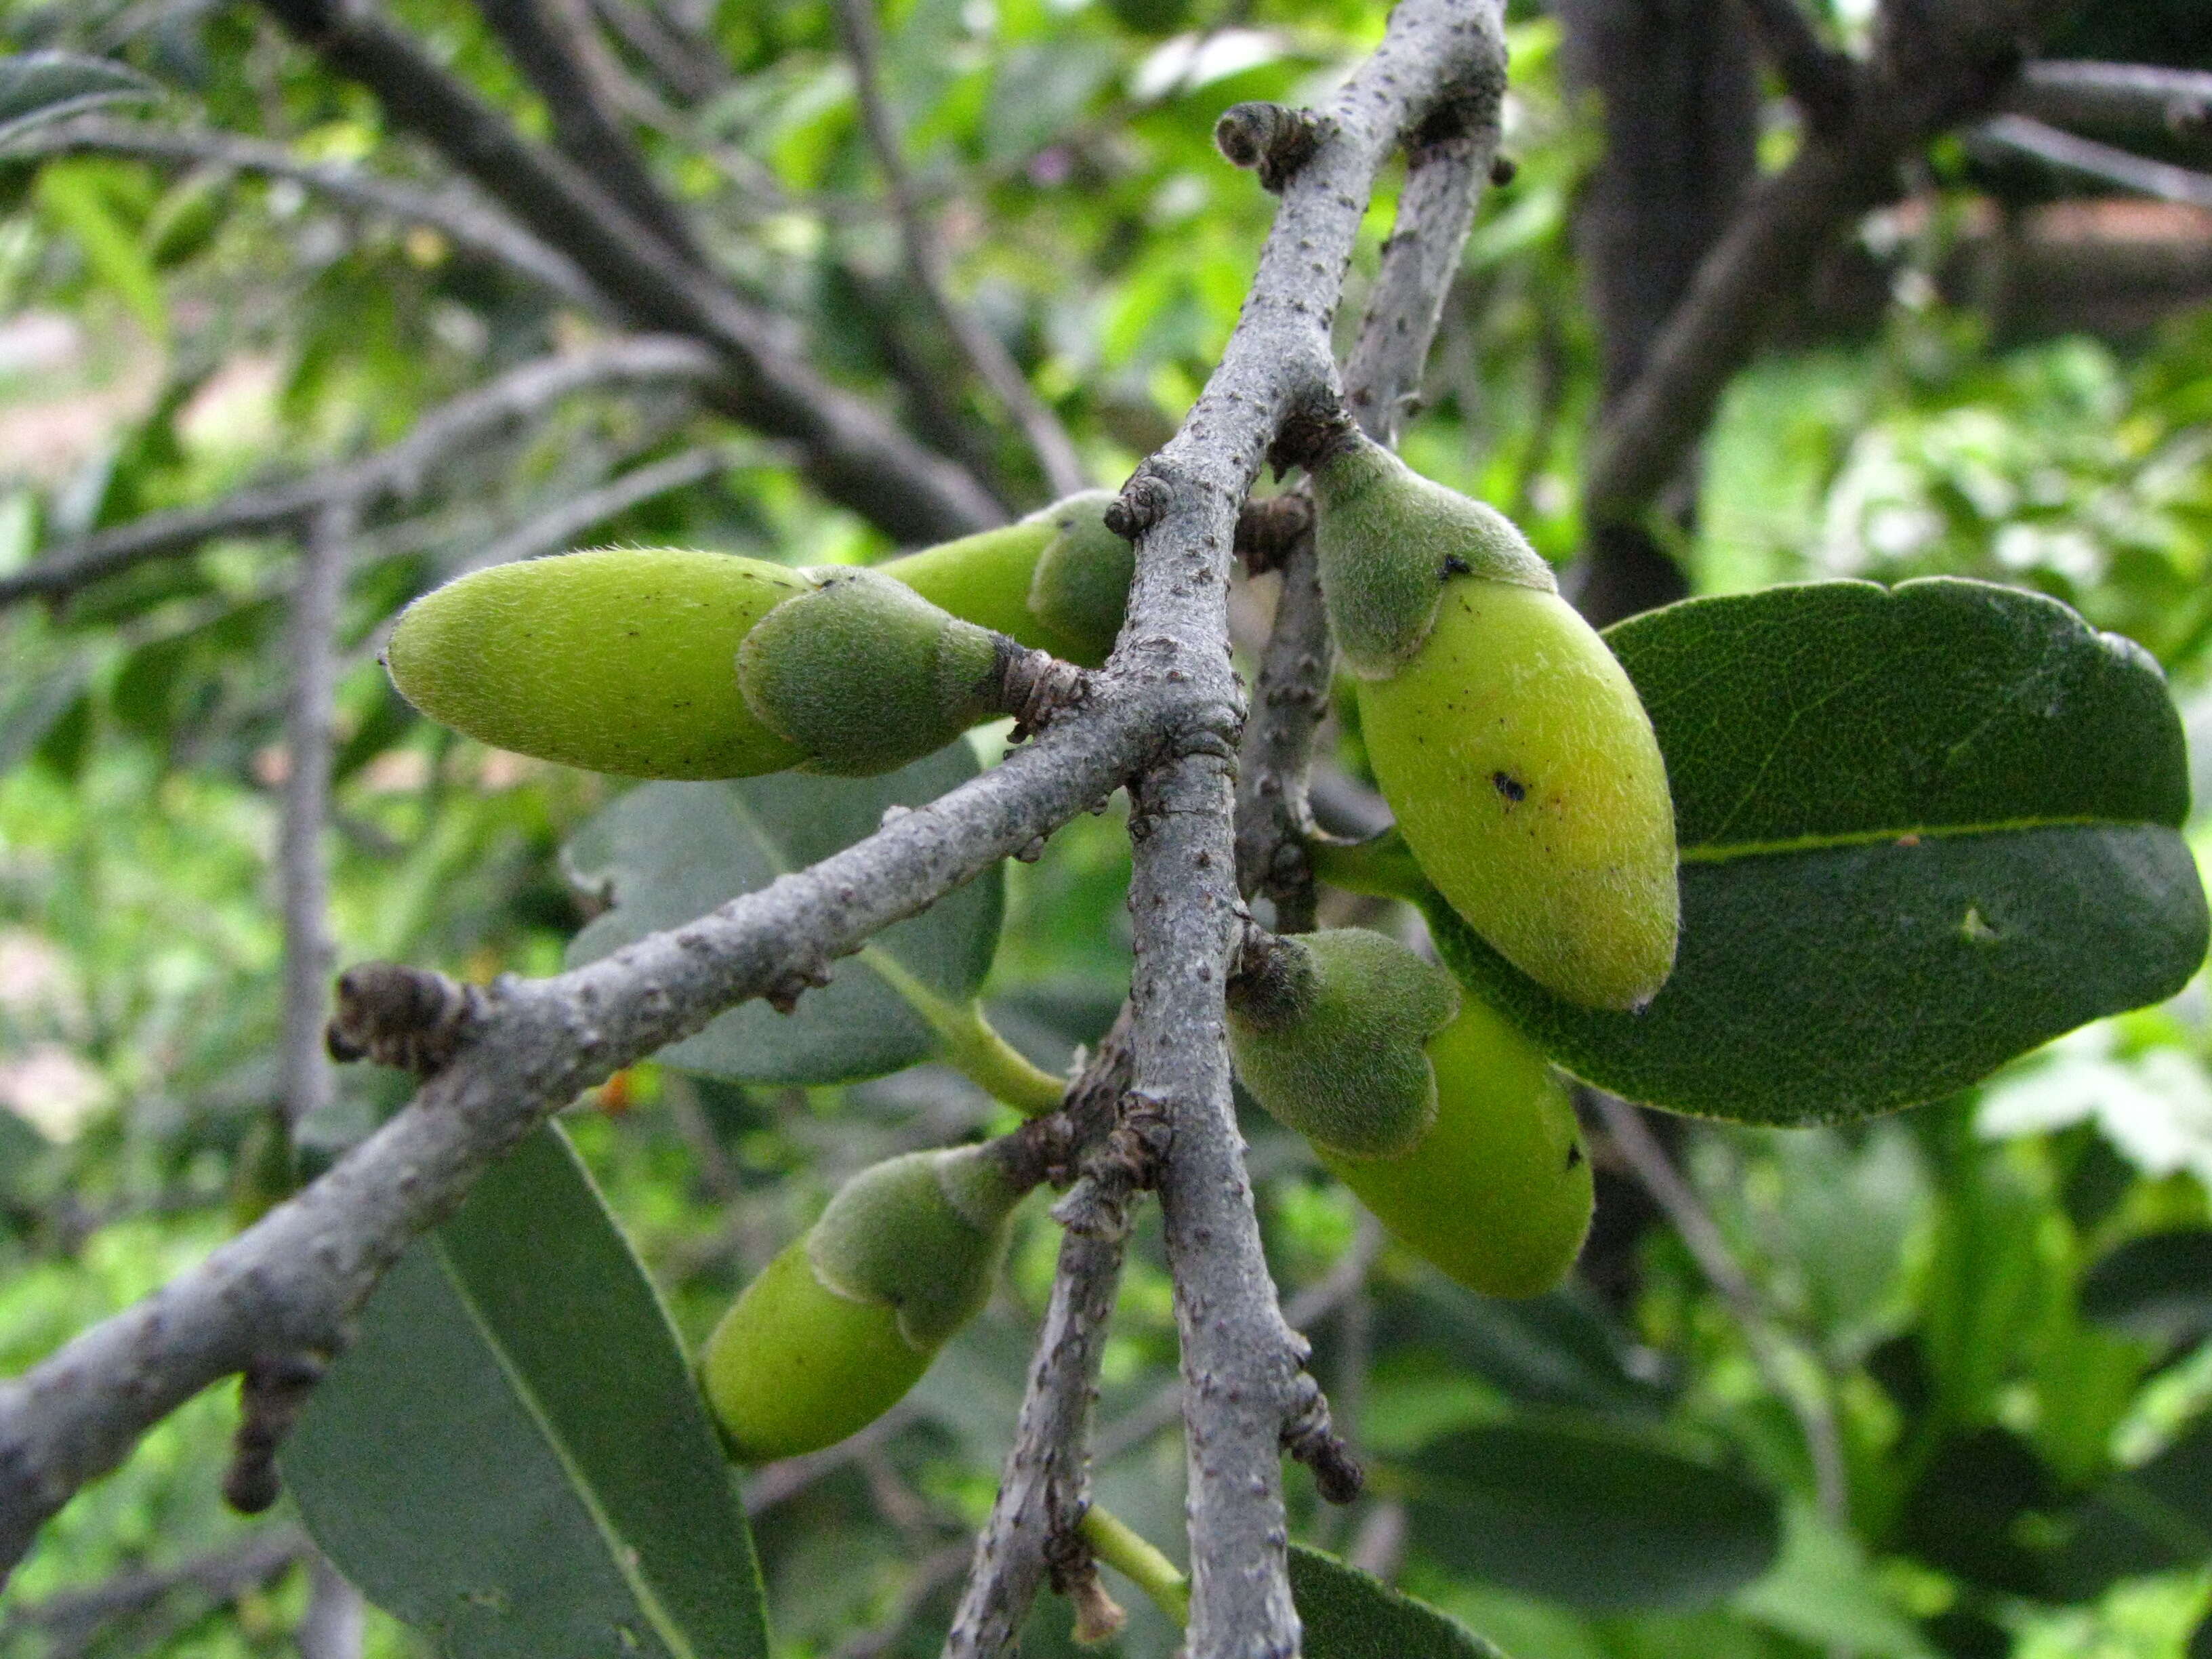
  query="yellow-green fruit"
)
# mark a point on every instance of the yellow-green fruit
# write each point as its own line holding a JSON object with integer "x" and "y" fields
{"x": 846, "y": 1320}
{"x": 616, "y": 659}
{"x": 1056, "y": 581}
{"x": 1507, "y": 738}
{"x": 863, "y": 675}
{"x": 1326, "y": 1031}
{"x": 1498, "y": 1193}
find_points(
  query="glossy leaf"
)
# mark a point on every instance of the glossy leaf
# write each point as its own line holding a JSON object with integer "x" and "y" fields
{"x": 37, "y": 87}
{"x": 1596, "y": 1518}
{"x": 511, "y": 1456}
{"x": 1351, "y": 1615}
{"x": 665, "y": 852}
{"x": 2158, "y": 1286}
{"x": 1923, "y": 831}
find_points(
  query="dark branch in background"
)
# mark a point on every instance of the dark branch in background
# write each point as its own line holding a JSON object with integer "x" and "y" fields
{"x": 925, "y": 254}
{"x": 1681, "y": 111}
{"x": 2103, "y": 163}
{"x": 1817, "y": 77}
{"x": 1770, "y": 1343}
{"x": 2118, "y": 102}
{"x": 469, "y": 224}
{"x": 689, "y": 67}
{"x": 552, "y": 44}
{"x": 1932, "y": 68}
{"x": 397, "y": 474}
{"x": 73, "y": 1624}
{"x": 854, "y": 455}
{"x": 566, "y": 523}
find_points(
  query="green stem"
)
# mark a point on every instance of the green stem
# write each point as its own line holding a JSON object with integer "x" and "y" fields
{"x": 1381, "y": 865}
{"x": 971, "y": 1045}
{"x": 1134, "y": 1557}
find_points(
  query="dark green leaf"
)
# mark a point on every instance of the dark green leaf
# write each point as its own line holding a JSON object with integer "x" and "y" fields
{"x": 511, "y": 1456}
{"x": 668, "y": 852}
{"x": 1962, "y": 1514}
{"x": 1350, "y": 1614}
{"x": 2159, "y": 1286}
{"x": 1559, "y": 1349}
{"x": 1923, "y": 831}
{"x": 1599, "y": 1519}
{"x": 37, "y": 87}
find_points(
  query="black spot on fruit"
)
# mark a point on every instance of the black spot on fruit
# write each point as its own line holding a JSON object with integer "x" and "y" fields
{"x": 1455, "y": 566}
{"x": 1509, "y": 787}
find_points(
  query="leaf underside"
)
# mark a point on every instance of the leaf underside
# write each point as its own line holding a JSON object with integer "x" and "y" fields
{"x": 667, "y": 853}
{"x": 1350, "y": 1614}
{"x": 1924, "y": 829}
{"x": 511, "y": 1456}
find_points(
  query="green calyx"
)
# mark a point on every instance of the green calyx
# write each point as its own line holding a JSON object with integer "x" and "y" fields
{"x": 921, "y": 1235}
{"x": 862, "y": 675}
{"x": 1326, "y": 1031}
{"x": 616, "y": 659}
{"x": 1386, "y": 540}
{"x": 1058, "y": 581}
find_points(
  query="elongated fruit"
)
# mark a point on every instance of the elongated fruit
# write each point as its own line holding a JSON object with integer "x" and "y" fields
{"x": 1326, "y": 1031}
{"x": 1057, "y": 581}
{"x": 863, "y": 675}
{"x": 617, "y": 659}
{"x": 846, "y": 1320}
{"x": 1509, "y": 743}
{"x": 1498, "y": 1193}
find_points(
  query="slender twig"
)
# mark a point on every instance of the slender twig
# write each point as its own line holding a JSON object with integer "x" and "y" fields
{"x": 310, "y": 953}
{"x": 469, "y": 223}
{"x": 334, "y": 1623}
{"x": 1045, "y": 1483}
{"x": 2101, "y": 163}
{"x": 925, "y": 253}
{"x": 1769, "y": 1344}
{"x": 398, "y": 473}
{"x": 563, "y": 523}
{"x": 854, "y": 453}
{"x": 687, "y": 65}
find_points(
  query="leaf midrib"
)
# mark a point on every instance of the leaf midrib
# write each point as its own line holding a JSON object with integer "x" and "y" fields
{"x": 1728, "y": 852}
{"x": 625, "y": 1557}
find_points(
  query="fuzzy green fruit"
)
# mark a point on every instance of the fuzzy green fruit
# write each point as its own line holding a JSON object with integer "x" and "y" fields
{"x": 1507, "y": 738}
{"x": 863, "y": 675}
{"x": 1498, "y": 1193}
{"x": 846, "y": 1320}
{"x": 617, "y": 660}
{"x": 1057, "y": 581}
{"x": 1327, "y": 1030}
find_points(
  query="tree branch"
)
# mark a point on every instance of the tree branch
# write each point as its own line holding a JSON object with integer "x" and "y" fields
{"x": 2119, "y": 101}
{"x": 1045, "y": 1485}
{"x": 398, "y": 473}
{"x": 1818, "y": 78}
{"x": 72, "y": 1621}
{"x": 2101, "y": 163}
{"x": 854, "y": 454}
{"x": 468, "y": 223}
{"x": 925, "y": 253}
{"x": 1444, "y": 176}
{"x": 551, "y": 42}
{"x": 1931, "y": 70}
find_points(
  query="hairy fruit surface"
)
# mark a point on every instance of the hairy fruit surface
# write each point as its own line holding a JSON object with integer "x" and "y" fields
{"x": 617, "y": 660}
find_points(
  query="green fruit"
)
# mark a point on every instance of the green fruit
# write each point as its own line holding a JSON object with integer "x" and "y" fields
{"x": 863, "y": 675}
{"x": 617, "y": 660}
{"x": 847, "y": 1319}
{"x": 1507, "y": 740}
{"x": 1498, "y": 1193}
{"x": 1056, "y": 581}
{"x": 1326, "y": 1031}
